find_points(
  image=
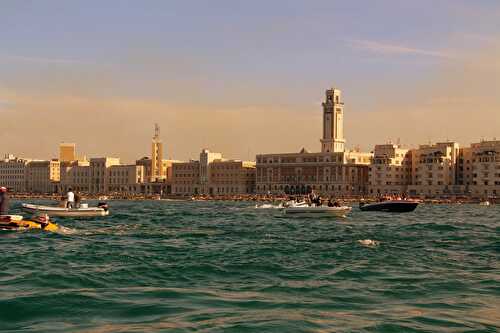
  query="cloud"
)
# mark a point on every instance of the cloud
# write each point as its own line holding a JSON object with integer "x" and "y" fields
{"x": 486, "y": 39}
{"x": 391, "y": 49}
{"x": 42, "y": 59}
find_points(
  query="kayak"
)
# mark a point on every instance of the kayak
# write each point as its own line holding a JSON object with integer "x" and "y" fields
{"x": 17, "y": 223}
{"x": 101, "y": 210}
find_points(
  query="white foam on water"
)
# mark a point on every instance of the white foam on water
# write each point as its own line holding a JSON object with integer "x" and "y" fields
{"x": 368, "y": 242}
{"x": 268, "y": 206}
{"x": 66, "y": 231}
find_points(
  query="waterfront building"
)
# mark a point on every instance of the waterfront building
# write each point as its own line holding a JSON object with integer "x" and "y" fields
{"x": 102, "y": 176}
{"x": 43, "y": 176}
{"x": 206, "y": 159}
{"x": 67, "y": 152}
{"x": 166, "y": 172}
{"x": 333, "y": 171}
{"x": 213, "y": 175}
{"x": 146, "y": 163}
{"x": 435, "y": 170}
{"x": 484, "y": 161}
{"x": 99, "y": 173}
{"x": 125, "y": 178}
{"x": 390, "y": 170}
{"x": 464, "y": 169}
{"x": 186, "y": 178}
{"x": 13, "y": 173}
{"x": 231, "y": 177}
{"x": 75, "y": 175}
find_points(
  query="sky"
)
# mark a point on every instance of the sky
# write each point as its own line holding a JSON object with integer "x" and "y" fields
{"x": 244, "y": 77}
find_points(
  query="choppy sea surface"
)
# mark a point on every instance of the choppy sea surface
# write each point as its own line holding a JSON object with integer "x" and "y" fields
{"x": 166, "y": 266}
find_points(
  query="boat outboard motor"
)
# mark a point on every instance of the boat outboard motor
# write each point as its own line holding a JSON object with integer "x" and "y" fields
{"x": 103, "y": 205}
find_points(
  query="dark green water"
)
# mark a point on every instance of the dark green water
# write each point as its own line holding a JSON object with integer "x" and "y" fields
{"x": 228, "y": 267}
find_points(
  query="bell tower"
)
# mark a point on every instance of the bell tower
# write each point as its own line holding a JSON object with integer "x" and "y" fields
{"x": 333, "y": 122}
{"x": 156, "y": 156}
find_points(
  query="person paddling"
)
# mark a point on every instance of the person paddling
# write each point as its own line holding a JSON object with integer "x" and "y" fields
{"x": 4, "y": 201}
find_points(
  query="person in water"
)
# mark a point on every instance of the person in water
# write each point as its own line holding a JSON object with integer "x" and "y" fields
{"x": 4, "y": 201}
{"x": 70, "y": 196}
{"x": 43, "y": 220}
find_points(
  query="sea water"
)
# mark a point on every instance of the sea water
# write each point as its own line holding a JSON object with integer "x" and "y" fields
{"x": 166, "y": 266}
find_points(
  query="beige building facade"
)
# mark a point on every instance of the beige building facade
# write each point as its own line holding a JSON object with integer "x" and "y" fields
{"x": 43, "y": 176}
{"x": 213, "y": 175}
{"x": 231, "y": 177}
{"x": 75, "y": 175}
{"x": 125, "y": 178}
{"x": 99, "y": 173}
{"x": 484, "y": 159}
{"x": 341, "y": 173}
{"x": 13, "y": 173}
{"x": 435, "y": 170}
{"x": 67, "y": 152}
{"x": 333, "y": 171}
{"x": 102, "y": 176}
{"x": 390, "y": 171}
{"x": 186, "y": 178}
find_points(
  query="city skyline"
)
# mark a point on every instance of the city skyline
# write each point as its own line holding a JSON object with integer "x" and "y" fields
{"x": 245, "y": 79}
{"x": 440, "y": 169}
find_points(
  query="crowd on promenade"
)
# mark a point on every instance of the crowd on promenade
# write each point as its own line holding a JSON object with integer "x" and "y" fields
{"x": 239, "y": 197}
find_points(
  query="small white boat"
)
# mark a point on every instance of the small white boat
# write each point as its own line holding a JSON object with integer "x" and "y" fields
{"x": 484, "y": 203}
{"x": 317, "y": 211}
{"x": 83, "y": 211}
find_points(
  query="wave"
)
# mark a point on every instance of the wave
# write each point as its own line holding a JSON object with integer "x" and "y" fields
{"x": 269, "y": 206}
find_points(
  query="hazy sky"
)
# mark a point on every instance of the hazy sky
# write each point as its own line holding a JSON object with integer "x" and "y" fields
{"x": 244, "y": 77}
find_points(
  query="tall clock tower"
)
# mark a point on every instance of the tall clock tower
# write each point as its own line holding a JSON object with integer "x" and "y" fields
{"x": 156, "y": 156}
{"x": 333, "y": 122}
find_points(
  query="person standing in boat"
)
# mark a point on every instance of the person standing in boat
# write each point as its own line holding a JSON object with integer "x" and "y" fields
{"x": 4, "y": 201}
{"x": 78, "y": 199}
{"x": 70, "y": 196}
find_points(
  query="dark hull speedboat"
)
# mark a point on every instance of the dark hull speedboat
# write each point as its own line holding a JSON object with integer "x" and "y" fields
{"x": 393, "y": 206}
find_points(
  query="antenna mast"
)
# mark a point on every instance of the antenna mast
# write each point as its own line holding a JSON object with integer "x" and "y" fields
{"x": 157, "y": 132}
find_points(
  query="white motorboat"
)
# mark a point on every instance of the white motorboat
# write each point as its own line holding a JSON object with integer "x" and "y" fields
{"x": 484, "y": 203}
{"x": 82, "y": 211}
{"x": 317, "y": 211}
